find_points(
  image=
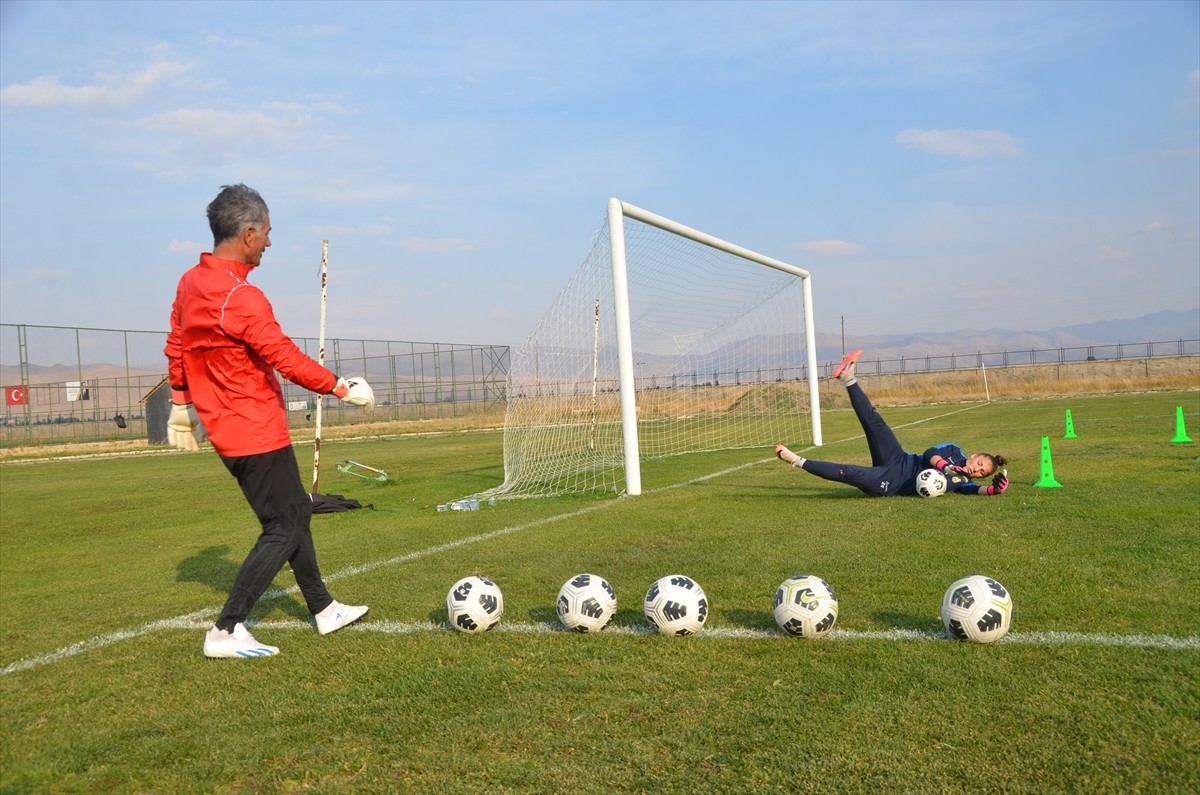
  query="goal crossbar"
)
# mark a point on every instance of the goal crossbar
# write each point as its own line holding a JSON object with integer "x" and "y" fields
{"x": 617, "y": 212}
{"x": 666, "y": 341}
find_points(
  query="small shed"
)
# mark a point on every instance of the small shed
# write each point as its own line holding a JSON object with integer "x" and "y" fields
{"x": 158, "y": 410}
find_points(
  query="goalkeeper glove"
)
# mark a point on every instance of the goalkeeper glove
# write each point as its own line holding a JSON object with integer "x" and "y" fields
{"x": 182, "y": 424}
{"x": 946, "y": 468}
{"x": 356, "y": 392}
{"x": 999, "y": 483}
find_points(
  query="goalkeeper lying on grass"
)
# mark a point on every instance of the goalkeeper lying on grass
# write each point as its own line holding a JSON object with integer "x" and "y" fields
{"x": 893, "y": 470}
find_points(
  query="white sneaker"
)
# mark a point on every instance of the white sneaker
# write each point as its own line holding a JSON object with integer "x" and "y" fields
{"x": 218, "y": 643}
{"x": 338, "y": 615}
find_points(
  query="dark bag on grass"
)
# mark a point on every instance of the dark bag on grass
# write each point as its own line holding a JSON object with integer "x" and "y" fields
{"x": 334, "y": 503}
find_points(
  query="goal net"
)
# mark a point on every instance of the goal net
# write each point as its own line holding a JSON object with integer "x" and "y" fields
{"x": 666, "y": 341}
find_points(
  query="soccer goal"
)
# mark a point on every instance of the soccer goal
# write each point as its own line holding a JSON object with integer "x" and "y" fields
{"x": 666, "y": 341}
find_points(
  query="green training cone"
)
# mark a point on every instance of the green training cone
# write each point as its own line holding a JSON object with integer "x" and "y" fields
{"x": 1070, "y": 434}
{"x": 1047, "y": 481}
{"x": 1181, "y": 436}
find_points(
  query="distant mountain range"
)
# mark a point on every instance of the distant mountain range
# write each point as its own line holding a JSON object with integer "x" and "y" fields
{"x": 1158, "y": 327}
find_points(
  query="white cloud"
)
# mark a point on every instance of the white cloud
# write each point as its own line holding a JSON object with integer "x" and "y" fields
{"x": 1154, "y": 226}
{"x": 1110, "y": 252}
{"x": 47, "y": 275}
{"x": 437, "y": 246}
{"x": 111, "y": 91}
{"x": 326, "y": 106}
{"x": 833, "y": 248}
{"x": 209, "y": 135}
{"x": 345, "y": 231}
{"x": 961, "y": 143}
{"x": 1192, "y": 103}
{"x": 185, "y": 247}
{"x": 314, "y": 30}
{"x": 231, "y": 42}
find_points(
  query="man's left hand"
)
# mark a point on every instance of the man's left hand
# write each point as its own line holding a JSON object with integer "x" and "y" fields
{"x": 182, "y": 425}
{"x": 355, "y": 391}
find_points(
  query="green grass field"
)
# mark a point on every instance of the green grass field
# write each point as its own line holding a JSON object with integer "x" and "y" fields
{"x": 112, "y": 568}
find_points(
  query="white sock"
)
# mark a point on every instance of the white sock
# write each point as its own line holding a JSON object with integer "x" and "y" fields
{"x": 799, "y": 461}
{"x": 850, "y": 381}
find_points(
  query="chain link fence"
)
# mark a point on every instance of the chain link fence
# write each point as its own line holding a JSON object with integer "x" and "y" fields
{"x": 65, "y": 383}
{"x": 1025, "y": 356}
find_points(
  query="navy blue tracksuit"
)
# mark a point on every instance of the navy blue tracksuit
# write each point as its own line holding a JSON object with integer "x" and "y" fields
{"x": 893, "y": 471}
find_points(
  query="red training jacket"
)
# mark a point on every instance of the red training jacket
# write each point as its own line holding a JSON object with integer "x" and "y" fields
{"x": 224, "y": 348}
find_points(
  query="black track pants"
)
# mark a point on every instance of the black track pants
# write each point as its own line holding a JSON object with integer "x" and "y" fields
{"x": 271, "y": 483}
{"x": 886, "y": 474}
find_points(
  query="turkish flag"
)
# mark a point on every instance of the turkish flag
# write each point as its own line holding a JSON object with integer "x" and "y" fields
{"x": 15, "y": 396}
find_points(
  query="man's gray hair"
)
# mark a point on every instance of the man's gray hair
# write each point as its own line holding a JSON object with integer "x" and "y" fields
{"x": 235, "y": 208}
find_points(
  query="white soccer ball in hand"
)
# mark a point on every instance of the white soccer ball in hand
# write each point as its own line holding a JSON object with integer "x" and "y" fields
{"x": 474, "y": 604}
{"x": 931, "y": 483}
{"x": 805, "y": 606}
{"x": 977, "y": 609}
{"x": 586, "y": 603}
{"x": 676, "y": 605}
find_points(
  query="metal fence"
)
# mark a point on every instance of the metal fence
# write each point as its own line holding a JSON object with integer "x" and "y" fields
{"x": 66, "y": 383}
{"x": 1026, "y": 356}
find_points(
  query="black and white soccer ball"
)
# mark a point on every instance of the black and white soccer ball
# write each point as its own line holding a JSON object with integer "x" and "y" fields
{"x": 474, "y": 604}
{"x": 977, "y": 609}
{"x": 805, "y": 606}
{"x": 931, "y": 483}
{"x": 586, "y": 603}
{"x": 676, "y": 605}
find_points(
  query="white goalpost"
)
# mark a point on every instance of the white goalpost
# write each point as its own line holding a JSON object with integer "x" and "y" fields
{"x": 666, "y": 341}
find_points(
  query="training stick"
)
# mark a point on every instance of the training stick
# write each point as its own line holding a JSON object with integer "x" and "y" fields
{"x": 320, "y": 361}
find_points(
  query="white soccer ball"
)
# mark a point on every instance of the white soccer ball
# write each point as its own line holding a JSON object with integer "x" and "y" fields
{"x": 474, "y": 604}
{"x": 676, "y": 605}
{"x": 805, "y": 606}
{"x": 586, "y": 603}
{"x": 931, "y": 483}
{"x": 977, "y": 609}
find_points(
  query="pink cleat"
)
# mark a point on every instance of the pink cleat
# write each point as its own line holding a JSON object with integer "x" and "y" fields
{"x": 846, "y": 368}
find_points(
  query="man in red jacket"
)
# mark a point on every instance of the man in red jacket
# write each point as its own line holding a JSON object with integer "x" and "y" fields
{"x": 223, "y": 351}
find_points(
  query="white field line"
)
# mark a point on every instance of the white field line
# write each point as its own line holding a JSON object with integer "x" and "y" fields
{"x": 203, "y": 618}
{"x": 274, "y": 593}
{"x": 737, "y": 633}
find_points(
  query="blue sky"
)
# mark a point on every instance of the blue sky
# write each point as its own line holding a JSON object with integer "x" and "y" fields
{"x": 936, "y": 166}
